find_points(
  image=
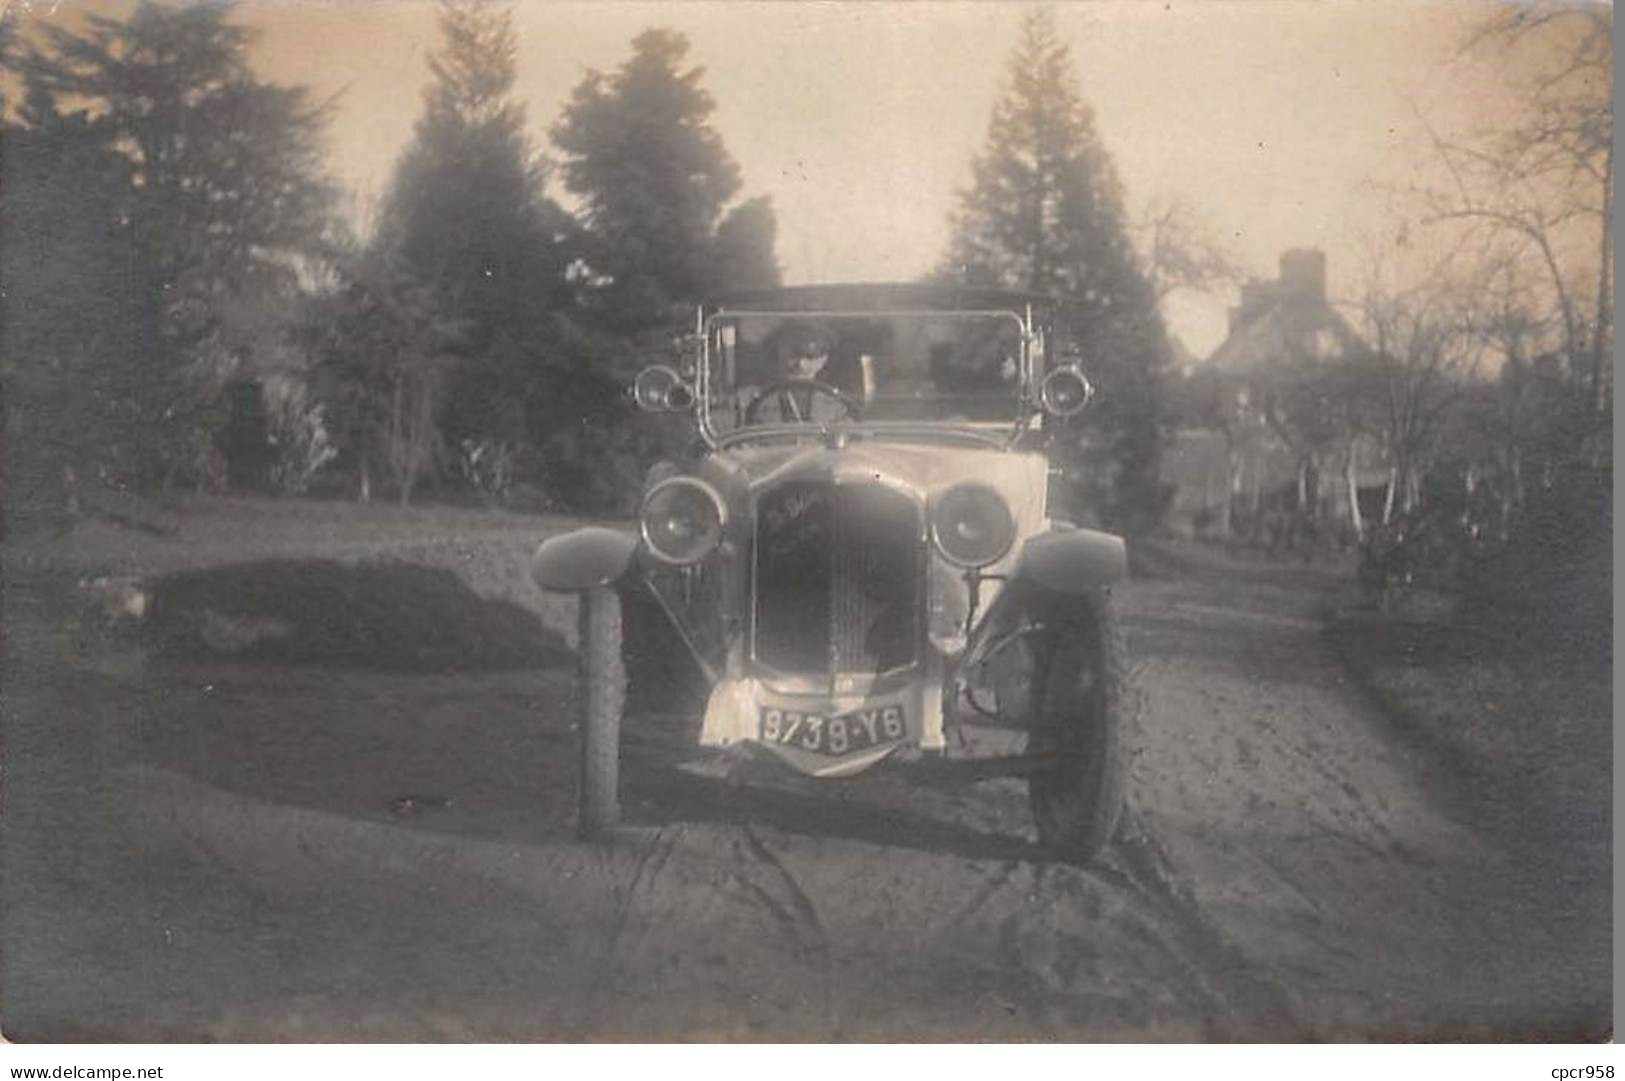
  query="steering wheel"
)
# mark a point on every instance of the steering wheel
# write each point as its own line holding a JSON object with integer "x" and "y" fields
{"x": 784, "y": 390}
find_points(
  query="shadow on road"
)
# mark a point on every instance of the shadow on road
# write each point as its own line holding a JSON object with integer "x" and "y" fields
{"x": 663, "y": 795}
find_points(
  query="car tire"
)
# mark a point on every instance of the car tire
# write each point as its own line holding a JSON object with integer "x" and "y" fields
{"x": 601, "y": 690}
{"x": 1077, "y": 805}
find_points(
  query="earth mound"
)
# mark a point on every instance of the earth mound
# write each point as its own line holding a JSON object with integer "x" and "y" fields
{"x": 387, "y": 616}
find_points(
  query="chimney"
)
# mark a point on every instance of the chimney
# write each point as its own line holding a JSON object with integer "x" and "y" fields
{"x": 1255, "y": 297}
{"x": 1303, "y": 274}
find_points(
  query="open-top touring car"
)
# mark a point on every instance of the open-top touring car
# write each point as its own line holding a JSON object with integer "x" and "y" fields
{"x": 861, "y": 555}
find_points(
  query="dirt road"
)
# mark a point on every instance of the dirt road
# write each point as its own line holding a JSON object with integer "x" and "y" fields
{"x": 239, "y": 852}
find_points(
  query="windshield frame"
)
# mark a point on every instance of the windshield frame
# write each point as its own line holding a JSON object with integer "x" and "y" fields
{"x": 1031, "y": 350}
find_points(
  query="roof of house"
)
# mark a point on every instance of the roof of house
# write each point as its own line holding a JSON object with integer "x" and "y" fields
{"x": 1286, "y": 319}
{"x": 1288, "y": 328}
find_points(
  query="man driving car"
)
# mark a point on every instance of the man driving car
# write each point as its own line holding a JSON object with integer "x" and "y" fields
{"x": 807, "y": 389}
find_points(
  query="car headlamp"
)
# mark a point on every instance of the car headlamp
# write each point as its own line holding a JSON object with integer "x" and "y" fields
{"x": 660, "y": 389}
{"x": 1065, "y": 391}
{"x": 682, "y": 520}
{"x": 972, "y": 525}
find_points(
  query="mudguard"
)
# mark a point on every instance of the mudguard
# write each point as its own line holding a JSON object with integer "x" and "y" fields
{"x": 1065, "y": 562}
{"x": 583, "y": 559}
{"x": 1073, "y": 561}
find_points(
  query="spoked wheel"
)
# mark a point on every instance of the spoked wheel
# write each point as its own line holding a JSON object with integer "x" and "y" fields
{"x": 601, "y": 690}
{"x": 1076, "y": 804}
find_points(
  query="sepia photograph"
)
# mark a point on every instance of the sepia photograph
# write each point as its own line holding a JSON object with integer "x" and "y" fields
{"x": 730, "y": 522}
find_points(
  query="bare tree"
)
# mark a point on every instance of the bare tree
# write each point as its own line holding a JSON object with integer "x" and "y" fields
{"x": 1529, "y": 419}
{"x": 1541, "y": 184}
{"x": 1423, "y": 352}
{"x": 1177, "y": 253}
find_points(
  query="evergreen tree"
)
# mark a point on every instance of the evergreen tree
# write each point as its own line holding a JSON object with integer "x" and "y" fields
{"x": 379, "y": 358}
{"x": 654, "y": 182}
{"x": 227, "y": 191}
{"x": 744, "y": 247}
{"x": 82, "y": 360}
{"x": 467, "y": 216}
{"x": 653, "y": 179}
{"x": 229, "y": 167}
{"x": 1044, "y": 212}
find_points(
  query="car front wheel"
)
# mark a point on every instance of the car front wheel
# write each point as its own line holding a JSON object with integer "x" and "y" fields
{"x": 601, "y": 692}
{"x": 1077, "y": 802}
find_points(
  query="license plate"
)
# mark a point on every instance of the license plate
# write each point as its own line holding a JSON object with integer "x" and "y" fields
{"x": 837, "y": 734}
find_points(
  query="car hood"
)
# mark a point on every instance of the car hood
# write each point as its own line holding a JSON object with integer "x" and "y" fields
{"x": 922, "y": 470}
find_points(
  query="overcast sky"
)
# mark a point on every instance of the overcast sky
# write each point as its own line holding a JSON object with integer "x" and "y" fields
{"x": 1281, "y": 124}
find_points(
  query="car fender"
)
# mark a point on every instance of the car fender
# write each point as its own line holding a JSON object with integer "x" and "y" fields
{"x": 1065, "y": 565}
{"x": 583, "y": 559}
{"x": 1073, "y": 561}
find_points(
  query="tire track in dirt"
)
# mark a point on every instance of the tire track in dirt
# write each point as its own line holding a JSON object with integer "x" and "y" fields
{"x": 631, "y": 924}
{"x": 657, "y": 853}
{"x": 1246, "y": 1003}
{"x": 999, "y": 881}
{"x": 1045, "y": 960}
{"x": 1018, "y": 981}
{"x": 800, "y": 920}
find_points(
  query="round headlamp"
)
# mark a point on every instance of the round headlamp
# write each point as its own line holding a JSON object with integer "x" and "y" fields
{"x": 972, "y": 525}
{"x": 682, "y": 520}
{"x": 659, "y": 389}
{"x": 1065, "y": 391}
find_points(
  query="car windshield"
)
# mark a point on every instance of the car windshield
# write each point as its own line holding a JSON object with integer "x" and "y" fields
{"x": 768, "y": 368}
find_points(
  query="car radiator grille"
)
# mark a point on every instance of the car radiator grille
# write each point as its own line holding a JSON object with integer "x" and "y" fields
{"x": 837, "y": 578}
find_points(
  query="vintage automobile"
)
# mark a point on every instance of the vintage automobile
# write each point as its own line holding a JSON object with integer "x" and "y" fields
{"x": 861, "y": 555}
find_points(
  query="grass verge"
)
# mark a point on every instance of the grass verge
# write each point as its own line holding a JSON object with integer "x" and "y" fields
{"x": 1526, "y": 738}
